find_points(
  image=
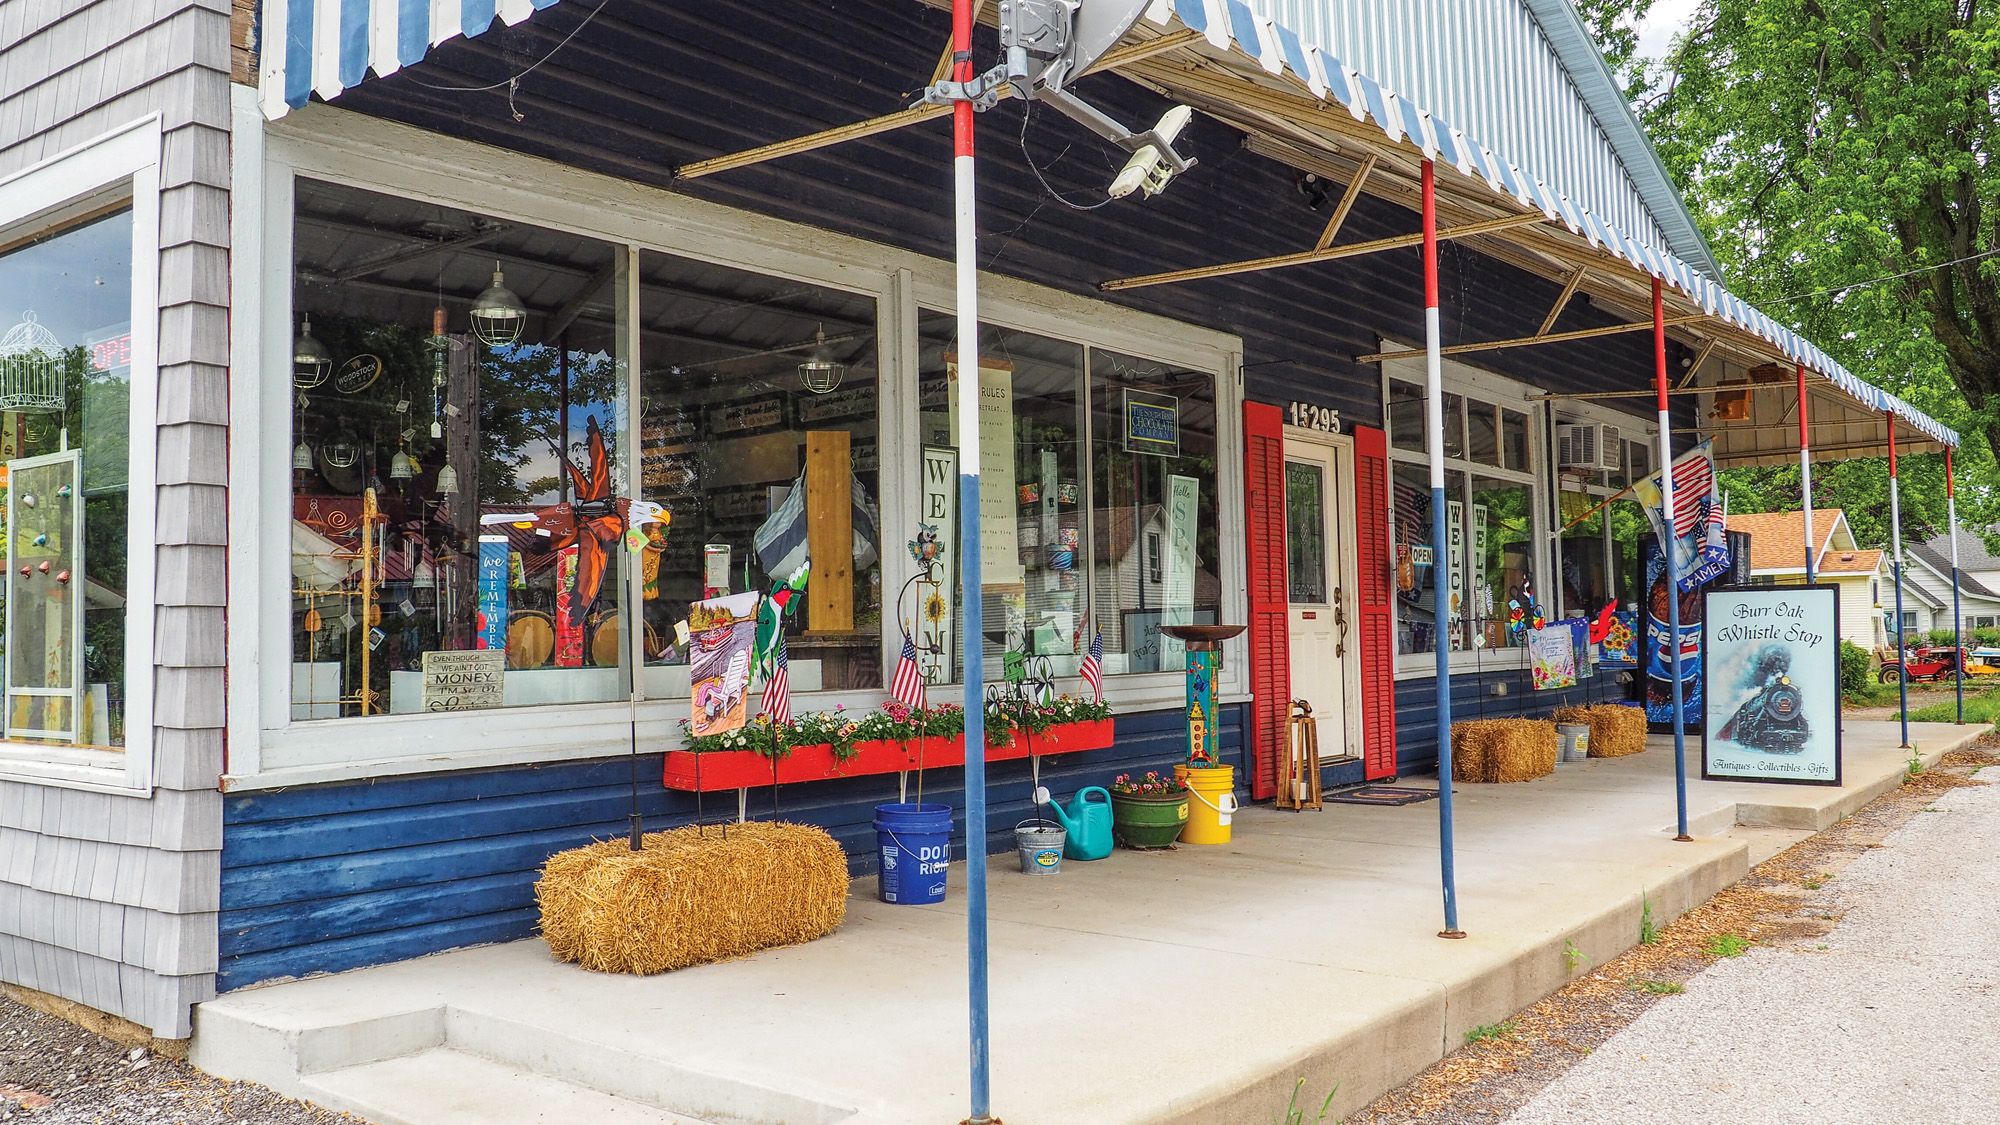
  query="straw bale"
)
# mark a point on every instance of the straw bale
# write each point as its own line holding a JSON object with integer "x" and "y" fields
{"x": 1615, "y": 730}
{"x": 1470, "y": 741}
{"x": 1521, "y": 750}
{"x": 693, "y": 895}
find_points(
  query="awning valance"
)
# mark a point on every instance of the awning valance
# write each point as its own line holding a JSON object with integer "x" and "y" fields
{"x": 1264, "y": 51}
{"x": 322, "y": 47}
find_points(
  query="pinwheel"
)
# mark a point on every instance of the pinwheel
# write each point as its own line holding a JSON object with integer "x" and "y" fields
{"x": 1601, "y": 628}
{"x": 593, "y": 521}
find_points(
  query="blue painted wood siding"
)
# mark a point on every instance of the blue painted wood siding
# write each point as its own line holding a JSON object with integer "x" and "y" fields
{"x": 333, "y": 877}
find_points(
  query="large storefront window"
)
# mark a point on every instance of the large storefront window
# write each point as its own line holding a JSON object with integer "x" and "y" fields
{"x": 758, "y": 432}
{"x": 432, "y": 565}
{"x": 1599, "y": 533}
{"x": 66, "y": 357}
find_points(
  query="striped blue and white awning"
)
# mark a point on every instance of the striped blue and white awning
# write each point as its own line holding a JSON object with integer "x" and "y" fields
{"x": 322, "y": 47}
{"x": 1232, "y": 27}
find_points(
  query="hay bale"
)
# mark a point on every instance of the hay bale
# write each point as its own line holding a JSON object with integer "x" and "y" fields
{"x": 693, "y": 895}
{"x": 1615, "y": 731}
{"x": 1521, "y": 750}
{"x": 1470, "y": 741}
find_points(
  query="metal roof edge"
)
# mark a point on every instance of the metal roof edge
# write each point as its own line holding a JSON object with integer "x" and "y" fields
{"x": 1600, "y": 90}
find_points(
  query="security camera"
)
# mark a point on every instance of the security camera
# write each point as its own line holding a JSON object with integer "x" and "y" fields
{"x": 1149, "y": 168}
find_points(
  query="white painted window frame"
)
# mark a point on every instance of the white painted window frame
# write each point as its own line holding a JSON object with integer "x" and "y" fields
{"x": 268, "y": 749}
{"x": 119, "y": 165}
{"x": 1632, "y": 429}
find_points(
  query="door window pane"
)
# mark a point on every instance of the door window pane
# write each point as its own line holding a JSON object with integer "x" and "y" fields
{"x": 1483, "y": 426}
{"x": 1514, "y": 440}
{"x": 1141, "y": 486}
{"x": 1454, "y": 425}
{"x": 758, "y": 431}
{"x": 1305, "y": 531}
{"x": 65, "y": 380}
{"x": 1406, "y": 416}
{"x": 416, "y": 438}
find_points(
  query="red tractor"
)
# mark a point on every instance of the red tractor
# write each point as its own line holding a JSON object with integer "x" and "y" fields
{"x": 1923, "y": 662}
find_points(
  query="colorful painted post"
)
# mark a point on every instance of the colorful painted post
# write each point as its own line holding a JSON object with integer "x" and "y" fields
{"x": 1673, "y": 575}
{"x": 1957, "y": 614}
{"x": 972, "y": 591}
{"x": 1805, "y": 477}
{"x": 1440, "y": 565}
{"x": 1202, "y": 663}
{"x": 1896, "y": 540}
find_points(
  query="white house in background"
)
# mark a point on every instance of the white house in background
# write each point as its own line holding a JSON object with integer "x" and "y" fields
{"x": 1778, "y": 558}
{"x": 1929, "y": 573}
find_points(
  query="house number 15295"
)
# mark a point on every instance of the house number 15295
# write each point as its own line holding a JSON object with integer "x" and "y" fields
{"x": 1306, "y": 416}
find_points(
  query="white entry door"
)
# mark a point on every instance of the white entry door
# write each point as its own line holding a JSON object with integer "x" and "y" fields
{"x": 1321, "y": 590}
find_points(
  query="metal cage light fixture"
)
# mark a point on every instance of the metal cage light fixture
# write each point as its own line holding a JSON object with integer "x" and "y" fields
{"x": 821, "y": 373}
{"x": 311, "y": 362}
{"x": 498, "y": 316}
{"x": 31, "y": 370}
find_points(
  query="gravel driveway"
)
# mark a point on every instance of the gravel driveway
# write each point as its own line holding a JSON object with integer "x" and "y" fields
{"x": 56, "y": 1073}
{"x": 1891, "y": 1016}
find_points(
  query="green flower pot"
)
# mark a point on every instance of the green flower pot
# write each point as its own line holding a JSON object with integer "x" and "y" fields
{"x": 1148, "y": 822}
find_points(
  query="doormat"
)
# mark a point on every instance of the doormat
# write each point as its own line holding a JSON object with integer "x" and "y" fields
{"x": 1381, "y": 795}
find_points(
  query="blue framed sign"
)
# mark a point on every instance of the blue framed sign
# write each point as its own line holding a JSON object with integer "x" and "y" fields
{"x": 1152, "y": 423}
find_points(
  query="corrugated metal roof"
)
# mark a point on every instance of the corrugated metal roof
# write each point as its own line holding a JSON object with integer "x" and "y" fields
{"x": 1525, "y": 78}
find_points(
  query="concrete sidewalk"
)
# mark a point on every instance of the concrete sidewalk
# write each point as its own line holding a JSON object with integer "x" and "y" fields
{"x": 1196, "y": 985}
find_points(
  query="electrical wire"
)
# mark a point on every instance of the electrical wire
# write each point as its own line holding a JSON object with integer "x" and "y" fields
{"x": 1982, "y": 255}
{"x": 1027, "y": 112}
{"x": 516, "y": 78}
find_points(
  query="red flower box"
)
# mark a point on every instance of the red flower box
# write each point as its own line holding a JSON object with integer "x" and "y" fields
{"x": 747, "y": 769}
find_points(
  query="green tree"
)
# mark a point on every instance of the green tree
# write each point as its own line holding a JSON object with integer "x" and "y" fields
{"x": 1838, "y": 155}
{"x": 1615, "y": 26}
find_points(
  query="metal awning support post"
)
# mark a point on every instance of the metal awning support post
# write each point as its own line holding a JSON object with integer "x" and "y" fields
{"x": 1440, "y": 563}
{"x": 971, "y": 589}
{"x": 1805, "y": 478}
{"x": 1672, "y": 564}
{"x": 1957, "y": 615}
{"x": 1896, "y": 540}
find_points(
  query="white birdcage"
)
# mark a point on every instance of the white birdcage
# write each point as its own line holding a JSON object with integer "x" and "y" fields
{"x": 31, "y": 371}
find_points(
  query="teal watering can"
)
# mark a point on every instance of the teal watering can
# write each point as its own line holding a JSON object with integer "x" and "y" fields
{"x": 1088, "y": 823}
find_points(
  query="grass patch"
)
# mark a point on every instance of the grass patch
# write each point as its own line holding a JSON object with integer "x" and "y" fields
{"x": 1872, "y": 694}
{"x": 1981, "y": 706}
{"x": 1295, "y": 1114}
{"x": 1814, "y": 882}
{"x": 1727, "y": 945}
{"x": 1649, "y": 930}
{"x": 1490, "y": 1031}
{"x": 1572, "y": 956}
{"x": 1660, "y": 987}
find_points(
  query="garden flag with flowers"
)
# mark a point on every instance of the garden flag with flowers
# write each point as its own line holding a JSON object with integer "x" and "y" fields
{"x": 1093, "y": 667}
{"x": 908, "y": 686}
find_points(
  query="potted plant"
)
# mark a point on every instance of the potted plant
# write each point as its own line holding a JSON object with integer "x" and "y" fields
{"x": 1148, "y": 811}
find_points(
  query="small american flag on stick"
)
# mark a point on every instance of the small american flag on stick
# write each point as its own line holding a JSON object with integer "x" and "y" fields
{"x": 1092, "y": 670}
{"x": 908, "y": 686}
{"x": 778, "y": 689}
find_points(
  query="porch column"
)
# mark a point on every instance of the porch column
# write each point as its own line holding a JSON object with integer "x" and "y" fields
{"x": 1957, "y": 615}
{"x": 1805, "y": 477}
{"x": 1672, "y": 564}
{"x": 1440, "y": 562}
{"x": 972, "y": 590}
{"x": 1896, "y": 540}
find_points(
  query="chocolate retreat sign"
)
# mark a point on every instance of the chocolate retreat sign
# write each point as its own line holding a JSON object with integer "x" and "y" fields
{"x": 1771, "y": 684}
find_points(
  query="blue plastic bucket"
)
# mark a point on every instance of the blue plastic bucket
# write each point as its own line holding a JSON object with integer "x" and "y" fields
{"x": 915, "y": 846}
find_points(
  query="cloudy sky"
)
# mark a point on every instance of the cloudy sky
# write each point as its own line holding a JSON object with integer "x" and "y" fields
{"x": 1665, "y": 21}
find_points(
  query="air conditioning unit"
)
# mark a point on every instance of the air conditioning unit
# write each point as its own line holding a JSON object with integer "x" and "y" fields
{"x": 1591, "y": 447}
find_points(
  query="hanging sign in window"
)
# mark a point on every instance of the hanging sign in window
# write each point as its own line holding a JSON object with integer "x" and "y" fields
{"x": 1152, "y": 423}
{"x": 466, "y": 680}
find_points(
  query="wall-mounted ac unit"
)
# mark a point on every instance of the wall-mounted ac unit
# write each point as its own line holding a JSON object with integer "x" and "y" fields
{"x": 1591, "y": 447}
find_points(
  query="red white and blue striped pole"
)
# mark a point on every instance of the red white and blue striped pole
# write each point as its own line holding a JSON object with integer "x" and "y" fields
{"x": 971, "y": 590}
{"x": 1896, "y": 540}
{"x": 1440, "y": 549}
{"x": 1957, "y": 615}
{"x": 1805, "y": 477}
{"x": 1672, "y": 564}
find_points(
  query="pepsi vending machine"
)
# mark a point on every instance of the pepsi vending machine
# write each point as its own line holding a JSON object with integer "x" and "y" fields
{"x": 1655, "y": 647}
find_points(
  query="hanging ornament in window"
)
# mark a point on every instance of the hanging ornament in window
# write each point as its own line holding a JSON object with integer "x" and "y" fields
{"x": 440, "y": 348}
{"x": 821, "y": 373}
{"x": 402, "y": 466}
{"x": 31, "y": 375}
{"x": 302, "y": 454}
{"x": 447, "y": 482}
{"x": 497, "y": 314}
{"x": 311, "y": 362}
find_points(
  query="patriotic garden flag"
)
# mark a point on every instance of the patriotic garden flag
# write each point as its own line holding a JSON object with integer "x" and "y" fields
{"x": 1701, "y": 551}
{"x": 778, "y": 689}
{"x": 908, "y": 686}
{"x": 1093, "y": 667}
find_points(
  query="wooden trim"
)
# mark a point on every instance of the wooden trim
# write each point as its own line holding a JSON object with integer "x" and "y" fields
{"x": 1346, "y": 203}
{"x": 1308, "y": 257}
{"x": 1526, "y": 341}
{"x": 1562, "y": 302}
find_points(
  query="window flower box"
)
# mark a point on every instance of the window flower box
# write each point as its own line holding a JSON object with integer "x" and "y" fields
{"x": 752, "y": 769}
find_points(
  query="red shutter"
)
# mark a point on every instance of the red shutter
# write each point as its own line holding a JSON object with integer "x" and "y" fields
{"x": 1270, "y": 653}
{"x": 1377, "y": 636}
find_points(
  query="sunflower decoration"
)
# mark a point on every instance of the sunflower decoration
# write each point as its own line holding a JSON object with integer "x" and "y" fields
{"x": 934, "y": 607}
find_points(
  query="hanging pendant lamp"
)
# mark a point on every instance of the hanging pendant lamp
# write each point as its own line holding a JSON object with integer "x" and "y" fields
{"x": 497, "y": 314}
{"x": 821, "y": 373}
{"x": 311, "y": 362}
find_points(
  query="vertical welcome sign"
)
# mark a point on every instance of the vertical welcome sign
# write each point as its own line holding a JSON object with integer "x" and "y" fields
{"x": 1771, "y": 685}
{"x": 492, "y": 592}
{"x": 936, "y": 545}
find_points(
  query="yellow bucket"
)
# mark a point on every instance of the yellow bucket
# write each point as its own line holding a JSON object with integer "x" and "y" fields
{"x": 1214, "y": 802}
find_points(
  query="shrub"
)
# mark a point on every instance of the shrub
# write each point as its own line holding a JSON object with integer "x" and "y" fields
{"x": 1856, "y": 669}
{"x": 1984, "y": 635}
{"x": 1940, "y": 637}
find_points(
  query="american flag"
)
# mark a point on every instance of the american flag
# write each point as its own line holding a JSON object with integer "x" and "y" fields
{"x": 778, "y": 689}
{"x": 908, "y": 687}
{"x": 1694, "y": 479}
{"x": 1093, "y": 667}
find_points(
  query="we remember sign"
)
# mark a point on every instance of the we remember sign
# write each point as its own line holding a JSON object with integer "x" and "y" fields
{"x": 465, "y": 681}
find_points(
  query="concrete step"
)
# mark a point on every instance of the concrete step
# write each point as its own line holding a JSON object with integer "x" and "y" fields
{"x": 446, "y": 1087}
